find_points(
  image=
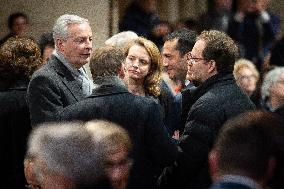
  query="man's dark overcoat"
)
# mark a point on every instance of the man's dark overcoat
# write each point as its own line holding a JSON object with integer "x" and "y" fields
{"x": 210, "y": 106}
{"x": 141, "y": 117}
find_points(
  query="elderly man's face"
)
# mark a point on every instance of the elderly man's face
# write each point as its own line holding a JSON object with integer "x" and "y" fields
{"x": 77, "y": 47}
{"x": 277, "y": 89}
{"x": 38, "y": 177}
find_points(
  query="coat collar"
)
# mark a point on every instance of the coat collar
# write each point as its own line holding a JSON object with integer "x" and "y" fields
{"x": 108, "y": 86}
{"x": 194, "y": 94}
{"x": 67, "y": 78}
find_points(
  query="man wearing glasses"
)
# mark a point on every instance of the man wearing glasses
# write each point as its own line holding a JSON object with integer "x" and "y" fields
{"x": 216, "y": 99}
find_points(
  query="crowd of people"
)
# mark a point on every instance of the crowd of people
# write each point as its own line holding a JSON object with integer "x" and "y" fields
{"x": 184, "y": 109}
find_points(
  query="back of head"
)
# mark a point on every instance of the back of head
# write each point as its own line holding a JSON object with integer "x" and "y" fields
{"x": 247, "y": 143}
{"x": 46, "y": 39}
{"x": 220, "y": 48}
{"x": 116, "y": 145}
{"x": 106, "y": 61}
{"x": 109, "y": 135}
{"x": 185, "y": 40}
{"x": 20, "y": 57}
{"x": 119, "y": 40}
{"x": 65, "y": 149}
{"x": 60, "y": 28}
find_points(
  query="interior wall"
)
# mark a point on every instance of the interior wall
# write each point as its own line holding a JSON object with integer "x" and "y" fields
{"x": 43, "y": 13}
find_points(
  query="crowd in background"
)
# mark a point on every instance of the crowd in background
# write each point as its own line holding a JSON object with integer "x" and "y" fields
{"x": 196, "y": 104}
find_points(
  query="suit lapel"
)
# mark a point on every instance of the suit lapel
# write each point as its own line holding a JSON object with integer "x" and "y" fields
{"x": 65, "y": 75}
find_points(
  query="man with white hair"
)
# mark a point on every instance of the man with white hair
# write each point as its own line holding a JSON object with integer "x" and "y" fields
{"x": 119, "y": 40}
{"x": 63, "y": 80}
{"x": 64, "y": 156}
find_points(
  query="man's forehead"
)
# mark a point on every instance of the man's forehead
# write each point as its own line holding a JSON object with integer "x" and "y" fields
{"x": 172, "y": 43}
{"x": 199, "y": 46}
{"x": 79, "y": 26}
{"x": 170, "y": 46}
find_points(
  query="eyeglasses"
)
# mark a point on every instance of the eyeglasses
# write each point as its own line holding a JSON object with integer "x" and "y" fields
{"x": 247, "y": 77}
{"x": 191, "y": 59}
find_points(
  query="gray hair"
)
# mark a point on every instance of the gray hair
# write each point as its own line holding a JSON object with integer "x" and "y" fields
{"x": 60, "y": 28}
{"x": 270, "y": 79}
{"x": 66, "y": 149}
{"x": 109, "y": 136}
{"x": 119, "y": 40}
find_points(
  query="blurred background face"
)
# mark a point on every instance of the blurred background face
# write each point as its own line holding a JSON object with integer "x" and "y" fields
{"x": 247, "y": 81}
{"x": 19, "y": 26}
{"x": 148, "y": 5}
{"x": 223, "y": 4}
{"x": 118, "y": 167}
{"x": 137, "y": 64}
{"x": 277, "y": 89}
{"x": 253, "y": 5}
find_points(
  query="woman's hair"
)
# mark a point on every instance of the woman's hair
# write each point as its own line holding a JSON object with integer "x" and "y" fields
{"x": 153, "y": 79}
{"x": 244, "y": 63}
{"x": 20, "y": 57}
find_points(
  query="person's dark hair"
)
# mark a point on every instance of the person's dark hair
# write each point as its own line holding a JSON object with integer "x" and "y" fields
{"x": 20, "y": 57}
{"x": 14, "y": 16}
{"x": 186, "y": 39}
{"x": 247, "y": 142}
{"x": 46, "y": 39}
{"x": 106, "y": 61}
{"x": 221, "y": 48}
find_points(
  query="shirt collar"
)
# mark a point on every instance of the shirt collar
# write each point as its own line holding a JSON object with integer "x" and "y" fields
{"x": 71, "y": 68}
{"x": 241, "y": 180}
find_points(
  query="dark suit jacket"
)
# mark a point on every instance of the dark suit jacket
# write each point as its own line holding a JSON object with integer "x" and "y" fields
{"x": 15, "y": 127}
{"x": 52, "y": 88}
{"x": 140, "y": 116}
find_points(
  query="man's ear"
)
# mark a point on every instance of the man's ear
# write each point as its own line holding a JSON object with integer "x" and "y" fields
{"x": 121, "y": 72}
{"x": 213, "y": 164}
{"x": 30, "y": 173}
{"x": 212, "y": 66}
{"x": 59, "y": 44}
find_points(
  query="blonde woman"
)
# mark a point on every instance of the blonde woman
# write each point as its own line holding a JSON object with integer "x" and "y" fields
{"x": 142, "y": 75}
{"x": 246, "y": 76}
{"x": 143, "y": 68}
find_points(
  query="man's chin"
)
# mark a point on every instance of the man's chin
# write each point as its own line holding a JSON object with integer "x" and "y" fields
{"x": 85, "y": 61}
{"x": 171, "y": 75}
